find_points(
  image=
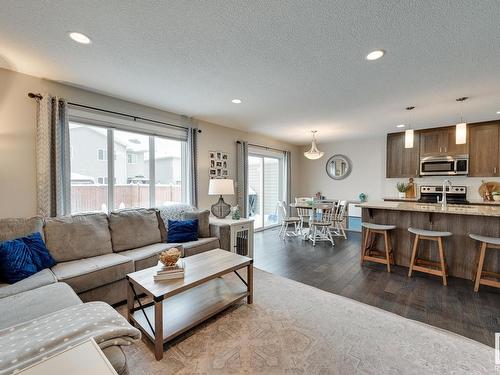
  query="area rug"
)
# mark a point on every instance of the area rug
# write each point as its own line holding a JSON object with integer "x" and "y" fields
{"x": 293, "y": 328}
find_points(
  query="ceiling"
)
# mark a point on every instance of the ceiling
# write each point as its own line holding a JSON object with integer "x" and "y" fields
{"x": 297, "y": 65}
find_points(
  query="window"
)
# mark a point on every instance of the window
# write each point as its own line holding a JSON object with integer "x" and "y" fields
{"x": 102, "y": 154}
{"x": 132, "y": 158}
{"x": 147, "y": 170}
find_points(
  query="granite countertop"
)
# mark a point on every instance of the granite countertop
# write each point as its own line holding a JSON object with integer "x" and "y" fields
{"x": 456, "y": 209}
{"x": 471, "y": 201}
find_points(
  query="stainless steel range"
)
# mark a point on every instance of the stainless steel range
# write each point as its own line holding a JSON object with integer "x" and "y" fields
{"x": 434, "y": 194}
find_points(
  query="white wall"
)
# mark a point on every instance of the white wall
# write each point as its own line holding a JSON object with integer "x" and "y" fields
{"x": 17, "y": 138}
{"x": 218, "y": 138}
{"x": 368, "y": 174}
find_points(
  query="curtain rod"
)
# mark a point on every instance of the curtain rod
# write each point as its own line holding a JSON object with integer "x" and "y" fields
{"x": 264, "y": 147}
{"x": 39, "y": 97}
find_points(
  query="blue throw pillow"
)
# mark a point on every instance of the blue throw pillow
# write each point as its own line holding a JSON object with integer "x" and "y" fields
{"x": 16, "y": 262}
{"x": 182, "y": 231}
{"x": 23, "y": 257}
{"x": 39, "y": 252}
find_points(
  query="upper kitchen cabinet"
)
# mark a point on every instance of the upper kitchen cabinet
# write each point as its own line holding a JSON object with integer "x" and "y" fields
{"x": 440, "y": 141}
{"x": 484, "y": 154}
{"x": 430, "y": 142}
{"x": 401, "y": 161}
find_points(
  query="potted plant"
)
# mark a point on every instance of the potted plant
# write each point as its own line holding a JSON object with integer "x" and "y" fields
{"x": 496, "y": 196}
{"x": 402, "y": 188}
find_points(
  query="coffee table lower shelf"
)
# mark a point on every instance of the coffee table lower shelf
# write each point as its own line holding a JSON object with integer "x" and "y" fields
{"x": 191, "y": 307}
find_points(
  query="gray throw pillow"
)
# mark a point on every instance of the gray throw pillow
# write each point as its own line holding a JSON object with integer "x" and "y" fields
{"x": 203, "y": 224}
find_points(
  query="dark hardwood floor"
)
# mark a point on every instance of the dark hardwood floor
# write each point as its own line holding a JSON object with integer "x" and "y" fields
{"x": 423, "y": 298}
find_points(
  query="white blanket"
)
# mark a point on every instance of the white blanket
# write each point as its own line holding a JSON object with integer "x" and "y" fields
{"x": 37, "y": 339}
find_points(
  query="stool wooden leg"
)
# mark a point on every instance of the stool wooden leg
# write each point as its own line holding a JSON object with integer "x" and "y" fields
{"x": 413, "y": 254}
{"x": 480, "y": 266}
{"x": 387, "y": 255}
{"x": 441, "y": 260}
{"x": 391, "y": 250}
{"x": 364, "y": 245}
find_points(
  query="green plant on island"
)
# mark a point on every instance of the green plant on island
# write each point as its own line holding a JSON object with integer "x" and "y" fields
{"x": 402, "y": 187}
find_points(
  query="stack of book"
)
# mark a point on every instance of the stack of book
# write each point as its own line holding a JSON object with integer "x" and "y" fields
{"x": 170, "y": 272}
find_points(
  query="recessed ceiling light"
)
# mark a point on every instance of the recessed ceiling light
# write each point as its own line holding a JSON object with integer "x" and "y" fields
{"x": 400, "y": 126}
{"x": 498, "y": 112}
{"x": 236, "y": 101}
{"x": 80, "y": 38}
{"x": 374, "y": 55}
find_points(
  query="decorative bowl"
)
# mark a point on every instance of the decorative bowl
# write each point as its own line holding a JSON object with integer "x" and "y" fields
{"x": 170, "y": 256}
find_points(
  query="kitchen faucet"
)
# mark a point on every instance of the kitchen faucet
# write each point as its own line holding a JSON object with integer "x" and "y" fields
{"x": 443, "y": 199}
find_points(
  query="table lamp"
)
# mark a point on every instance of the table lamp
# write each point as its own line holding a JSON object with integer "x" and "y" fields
{"x": 221, "y": 187}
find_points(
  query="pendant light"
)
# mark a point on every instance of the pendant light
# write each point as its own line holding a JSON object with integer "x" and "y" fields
{"x": 409, "y": 132}
{"x": 461, "y": 127}
{"x": 313, "y": 152}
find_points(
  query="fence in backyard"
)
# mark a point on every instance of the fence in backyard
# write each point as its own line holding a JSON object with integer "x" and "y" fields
{"x": 95, "y": 197}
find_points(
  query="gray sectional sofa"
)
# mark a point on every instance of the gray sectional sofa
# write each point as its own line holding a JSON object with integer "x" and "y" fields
{"x": 94, "y": 253}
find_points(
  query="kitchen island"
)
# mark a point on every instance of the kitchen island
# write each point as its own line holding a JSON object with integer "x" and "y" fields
{"x": 461, "y": 251}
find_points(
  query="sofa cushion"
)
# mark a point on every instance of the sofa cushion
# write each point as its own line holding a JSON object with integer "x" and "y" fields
{"x": 16, "y": 261}
{"x": 18, "y": 227}
{"x": 34, "y": 303}
{"x": 171, "y": 212}
{"x": 203, "y": 224}
{"x": 77, "y": 236}
{"x": 90, "y": 273}
{"x": 200, "y": 246}
{"x": 182, "y": 231}
{"x": 39, "y": 279}
{"x": 134, "y": 228}
{"x": 147, "y": 256}
{"x": 18, "y": 256}
{"x": 39, "y": 252}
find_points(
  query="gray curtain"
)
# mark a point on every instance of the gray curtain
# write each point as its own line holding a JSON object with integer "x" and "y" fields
{"x": 288, "y": 178}
{"x": 193, "y": 166}
{"x": 53, "y": 170}
{"x": 242, "y": 177}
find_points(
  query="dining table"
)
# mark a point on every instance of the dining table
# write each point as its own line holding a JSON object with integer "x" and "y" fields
{"x": 314, "y": 207}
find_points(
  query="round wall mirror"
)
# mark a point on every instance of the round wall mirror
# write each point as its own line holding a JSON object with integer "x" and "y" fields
{"x": 338, "y": 167}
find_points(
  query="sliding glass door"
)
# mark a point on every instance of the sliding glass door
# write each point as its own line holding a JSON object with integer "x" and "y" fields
{"x": 266, "y": 186}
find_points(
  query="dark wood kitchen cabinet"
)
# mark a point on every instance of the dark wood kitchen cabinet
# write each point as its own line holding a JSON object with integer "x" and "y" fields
{"x": 430, "y": 142}
{"x": 484, "y": 154}
{"x": 401, "y": 161}
{"x": 440, "y": 141}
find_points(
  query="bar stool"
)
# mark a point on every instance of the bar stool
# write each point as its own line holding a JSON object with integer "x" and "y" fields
{"x": 426, "y": 265}
{"x": 486, "y": 242}
{"x": 373, "y": 255}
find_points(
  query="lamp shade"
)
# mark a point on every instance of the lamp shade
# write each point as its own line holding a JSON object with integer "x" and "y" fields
{"x": 220, "y": 187}
{"x": 409, "y": 138}
{"x": 461, "y": 133}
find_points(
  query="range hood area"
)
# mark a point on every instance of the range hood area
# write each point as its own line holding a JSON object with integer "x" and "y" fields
{"x": 436, "y": 153}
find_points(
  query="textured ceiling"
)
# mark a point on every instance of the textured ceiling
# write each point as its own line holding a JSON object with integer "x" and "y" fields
{"x": 297, "y": 65}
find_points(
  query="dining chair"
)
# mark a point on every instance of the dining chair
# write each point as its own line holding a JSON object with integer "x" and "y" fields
{"x": 303, "y": 213}
{"x": 339, "y": 219}
{"x": 321, "y": 225}
{"x": 286, "y": 221}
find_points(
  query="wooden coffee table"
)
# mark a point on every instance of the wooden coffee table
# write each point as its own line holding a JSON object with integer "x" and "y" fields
{"x": 177, "y": 305}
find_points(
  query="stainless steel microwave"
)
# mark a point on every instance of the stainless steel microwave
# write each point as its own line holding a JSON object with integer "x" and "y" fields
{"x": 444, "y": 165}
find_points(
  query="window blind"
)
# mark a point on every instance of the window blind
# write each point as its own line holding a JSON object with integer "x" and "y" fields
{"x": 128, "y": 123}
